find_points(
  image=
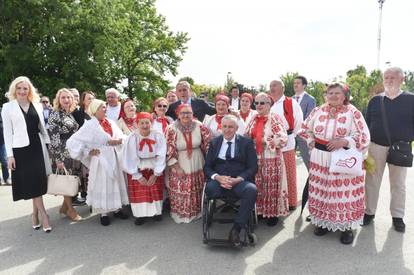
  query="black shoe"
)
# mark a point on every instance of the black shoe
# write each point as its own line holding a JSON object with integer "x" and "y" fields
{"x": 139, "y": 221}
{"x": 308, "y": 218}
{"x": 157, "y": 218}
{"x": 272, "y": 221}
{"x": 399, "y": 224}
{"x": 368, "y": 219}
{"x": 234, "y": 237}
{"x": 105, "y": 220}
{"x": 121, "y": 215}
{"x": 166, "y": 206}
{"x": 319, "y": 231}
{"x": 292, "y": 208}
{"x": 77, "y": 202}
{"x": 347, "y": 237}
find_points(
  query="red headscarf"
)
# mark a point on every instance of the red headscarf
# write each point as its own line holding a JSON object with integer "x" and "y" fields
{"x": 128, "y": 121}
{"x": 248, "y": 96}
{"x": 224, "y": 98}
{"x": 144, "y": 115}
{"x": 180, "y": 107}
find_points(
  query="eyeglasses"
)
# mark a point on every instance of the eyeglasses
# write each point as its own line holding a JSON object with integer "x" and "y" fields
{"x": 186, "y": 113}
{"x": 45, "y": 101}
{"x": 162, "y": 106}
{"x": 260, "y": 103}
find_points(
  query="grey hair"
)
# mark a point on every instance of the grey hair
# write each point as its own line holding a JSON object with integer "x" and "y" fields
{"x": 397, "y": 70}
{"x": 112, "y": 91}
{"x": 279, "y": 80}
{"x": 231, "y": 118}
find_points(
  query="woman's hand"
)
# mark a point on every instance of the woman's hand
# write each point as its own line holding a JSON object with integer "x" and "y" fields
{"x": 336, "y": 144}
{"x": 11, "y": 163}
{"x": 311, "y": 145}
{"x": 114, "y": 142}
{"x": 60, "y": 165}
{"x": 177, "y": 169}
{"x": 152, "y": 180}
{"x": 94, "y": 152}
{"x": 142, "y": 181}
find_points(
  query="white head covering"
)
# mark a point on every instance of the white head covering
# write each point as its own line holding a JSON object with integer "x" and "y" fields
{"x": 94, "y": 105}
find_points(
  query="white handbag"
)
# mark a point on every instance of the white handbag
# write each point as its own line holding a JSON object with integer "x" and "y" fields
{"x": 346, "y": 162}
{"x": 62, "y": 184}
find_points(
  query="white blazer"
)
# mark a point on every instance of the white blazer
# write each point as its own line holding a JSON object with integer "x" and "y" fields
{"x": 15, "y": 129}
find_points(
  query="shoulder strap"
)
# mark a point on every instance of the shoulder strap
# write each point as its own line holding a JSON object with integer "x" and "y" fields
{"x": 288, "y": 112}
{"x": 385, "y": 120}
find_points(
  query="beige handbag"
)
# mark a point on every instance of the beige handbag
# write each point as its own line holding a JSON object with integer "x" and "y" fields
{"x": 62, "y": 184}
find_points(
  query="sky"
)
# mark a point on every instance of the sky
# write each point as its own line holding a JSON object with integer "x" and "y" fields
{"x": 258, "y": 41}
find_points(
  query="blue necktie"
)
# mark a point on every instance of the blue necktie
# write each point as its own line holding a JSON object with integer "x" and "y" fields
{"x": 228, "y": 151}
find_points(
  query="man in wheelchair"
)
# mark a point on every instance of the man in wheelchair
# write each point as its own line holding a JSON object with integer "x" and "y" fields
{"x": 230, "y": 168}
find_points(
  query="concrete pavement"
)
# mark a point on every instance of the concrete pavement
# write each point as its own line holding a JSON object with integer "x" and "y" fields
{"x": 168, "y": 248}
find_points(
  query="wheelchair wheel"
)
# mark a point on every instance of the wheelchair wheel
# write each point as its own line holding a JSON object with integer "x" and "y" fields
{"x": 252, "y": 239}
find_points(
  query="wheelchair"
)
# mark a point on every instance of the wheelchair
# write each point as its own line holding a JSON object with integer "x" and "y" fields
{"x": 212, "y": 209}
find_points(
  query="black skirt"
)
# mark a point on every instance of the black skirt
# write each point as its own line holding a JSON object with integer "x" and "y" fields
{"x": 29, "y": 179}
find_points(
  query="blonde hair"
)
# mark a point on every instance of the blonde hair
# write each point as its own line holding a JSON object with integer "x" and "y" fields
{"x": 56, "y": 100}
{"x": 33, "y": 96}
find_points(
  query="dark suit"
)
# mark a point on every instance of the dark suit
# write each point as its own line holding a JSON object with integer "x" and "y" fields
{"x": 200, "y": 109}
{"x": 243, "y": 164}
{"x": 307, "y": 104}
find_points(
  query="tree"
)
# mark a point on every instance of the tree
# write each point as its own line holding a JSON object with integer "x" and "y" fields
{"x": 88, "y": 45}
{"x": 288, "y": 79}
{"x": 409, "y": 81}
{"x": 363, "y": 86}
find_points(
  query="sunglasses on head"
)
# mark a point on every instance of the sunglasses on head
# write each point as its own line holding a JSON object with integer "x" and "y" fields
{"x": 260, "y": 103}
{"x": 162, "y": 106}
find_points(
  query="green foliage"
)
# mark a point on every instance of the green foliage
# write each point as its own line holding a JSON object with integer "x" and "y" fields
{"x": 409, "y": 81}
{"x": 188, "y": 79}
{"x": 316, "y": 89}
{"x": 288, "y": 79}
{"x": 88, "y": 45}
{"x": 363, "y": 85}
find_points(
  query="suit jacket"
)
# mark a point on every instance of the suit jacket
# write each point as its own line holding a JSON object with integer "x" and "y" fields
{"x": 15, "y": 129}
{"x": 244, "y": 163}
{"x": 200, "y": 109}
{"x": 307, "y": 104}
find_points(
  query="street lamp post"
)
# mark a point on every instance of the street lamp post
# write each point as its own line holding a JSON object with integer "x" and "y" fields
{"x": 381, "y": 3}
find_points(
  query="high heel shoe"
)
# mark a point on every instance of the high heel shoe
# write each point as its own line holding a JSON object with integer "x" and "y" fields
{"x": 47, "y": 229}
{"x": 34, "y": 225}
{"x": 73, "y": 215}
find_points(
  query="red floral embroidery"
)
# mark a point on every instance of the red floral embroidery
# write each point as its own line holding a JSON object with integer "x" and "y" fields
{"x": 357, "y": 115}
{"x": 341, "y": 131}
{"x": 342, "y": 119}
{"x": 322, "y": 118}
{"x": 319, "y": 129}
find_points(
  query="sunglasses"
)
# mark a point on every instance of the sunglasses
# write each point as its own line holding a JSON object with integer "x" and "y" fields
{"x": 45, "y": 101}
{"x": 186, "y": 113}
{"x": 260, "y": 103}
{"x": 162, "y": 106}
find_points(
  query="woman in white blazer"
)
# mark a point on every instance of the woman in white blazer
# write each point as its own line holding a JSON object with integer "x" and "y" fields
{"x": 25, "y": 137}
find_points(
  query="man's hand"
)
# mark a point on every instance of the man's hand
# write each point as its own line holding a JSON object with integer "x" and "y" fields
{"x": 235, "y": 181}
{"x": 225, "y": 181}
{"x": 177, "y": 169}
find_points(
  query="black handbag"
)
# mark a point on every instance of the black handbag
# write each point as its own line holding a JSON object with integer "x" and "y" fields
{"x": 400, "y": 152}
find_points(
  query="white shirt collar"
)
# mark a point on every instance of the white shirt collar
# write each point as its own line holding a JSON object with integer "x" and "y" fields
{"x": 232, "y": 140}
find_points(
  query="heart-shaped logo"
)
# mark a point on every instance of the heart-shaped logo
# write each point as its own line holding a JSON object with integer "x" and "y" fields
{"x": 350, "y": 162}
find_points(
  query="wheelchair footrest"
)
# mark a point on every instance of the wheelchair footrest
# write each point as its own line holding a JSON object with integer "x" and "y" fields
{"x": 223, "y": 220}
{"x": 218, "y": 242}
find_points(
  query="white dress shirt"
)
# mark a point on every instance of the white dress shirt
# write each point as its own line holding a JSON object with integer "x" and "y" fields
{"x": 299, "y": 97}
{"x": 277, "y": 108}
{"x": 113, "y": 112}
{"x": 235, "y": 103}
{"x": 223, "y": 149}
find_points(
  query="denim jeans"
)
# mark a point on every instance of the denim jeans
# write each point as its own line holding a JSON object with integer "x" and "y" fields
{"x": 3, "y": 160}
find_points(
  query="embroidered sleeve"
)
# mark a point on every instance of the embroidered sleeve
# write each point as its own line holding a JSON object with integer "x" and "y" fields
{"x": 307, "y": 127}
{"x": 172, "y": 154}
{"x": 249, "y": 127}
{"x": 359, "y": 137}
{"x": 278, "y": 136}
{"x": 161, "y": 154}
{"x": 56, "y": 147}
{"x": 205, "y": 138}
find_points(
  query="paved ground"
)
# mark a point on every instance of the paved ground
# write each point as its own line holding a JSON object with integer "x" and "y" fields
{"x": 168, "y": 248}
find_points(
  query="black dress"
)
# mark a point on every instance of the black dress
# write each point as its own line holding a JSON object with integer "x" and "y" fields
{"x": 29, "y": 179}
